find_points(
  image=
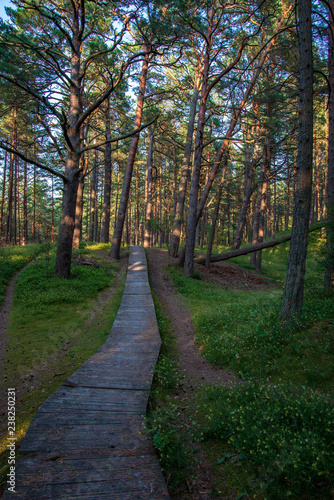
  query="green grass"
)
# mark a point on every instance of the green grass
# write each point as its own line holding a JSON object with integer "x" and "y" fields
{"x": 165, "y": 423}
{"x": 52, "y": 330}
{"x": 282, "y": 436}
{"x": 12, "y": 259}
{"x": 289, "y": 372}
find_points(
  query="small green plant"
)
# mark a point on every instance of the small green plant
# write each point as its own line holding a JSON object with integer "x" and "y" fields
{"x": 288, "y": 433}
{"x": 53, "y": 329}
{"x": 165, "y": 424}
{"x": 12, "y": 259}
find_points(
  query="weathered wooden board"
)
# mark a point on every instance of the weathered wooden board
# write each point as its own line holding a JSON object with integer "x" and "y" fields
{"x": 87, "y": 441}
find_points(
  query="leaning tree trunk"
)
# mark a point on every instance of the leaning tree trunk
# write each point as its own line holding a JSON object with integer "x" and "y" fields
{"x": 329, "y": 269}
{"x": 294, "y": 288}
{"x": 117, "y": 236}
{"x": 177, "y": 224}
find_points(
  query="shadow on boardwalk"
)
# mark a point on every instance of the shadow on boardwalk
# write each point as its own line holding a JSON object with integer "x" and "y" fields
{"x": 87, "y": 440}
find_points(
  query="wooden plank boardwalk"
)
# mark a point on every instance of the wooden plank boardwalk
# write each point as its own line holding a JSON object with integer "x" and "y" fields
{"x": 87, "y": 440}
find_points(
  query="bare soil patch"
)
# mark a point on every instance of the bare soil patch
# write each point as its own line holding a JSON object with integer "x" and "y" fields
{"x": 230, "y": 275}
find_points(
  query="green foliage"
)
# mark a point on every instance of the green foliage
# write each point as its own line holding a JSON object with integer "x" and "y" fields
{"x": 272, "y": 434}
{"x": 241, "y": 329}
{"x": 287, "y": 433}
{"x": 55, "y": 325}
{"x": 12, "y": 259}
{"x": 164, "y": 422}
{"x": 37, "y": 291}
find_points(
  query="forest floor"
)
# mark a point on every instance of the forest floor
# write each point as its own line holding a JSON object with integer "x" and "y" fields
{"x": 26, "y": 384}
{"x": 4, "y": 318}
{"x": 195, "y": 370}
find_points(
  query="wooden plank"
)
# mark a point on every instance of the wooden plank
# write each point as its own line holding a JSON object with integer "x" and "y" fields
{"x": 89, "y": 441}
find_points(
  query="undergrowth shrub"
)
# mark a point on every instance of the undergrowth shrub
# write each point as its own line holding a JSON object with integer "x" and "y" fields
{"x": 287, "y": 432}
{"x": 227, "y": 331}
{"x": 12, "y": 259}
{"x": 37, "y": 290}
{"x": 168, "y": 435}
{"x": 165, "y": 423}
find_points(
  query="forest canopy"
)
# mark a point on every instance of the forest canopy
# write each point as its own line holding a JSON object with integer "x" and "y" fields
{"x": 166, "y": 123}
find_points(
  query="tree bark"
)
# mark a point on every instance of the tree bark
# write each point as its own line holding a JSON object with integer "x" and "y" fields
{"x": 149, "y": 185}
{"x": 215, "y": 216}
{"x": 254, "y": 248}
{"x": 177, "y": 224}
{"x": 9, "y": 217}
{"x": 3, "y": 191}
{"x": 193, "y": 200}
{"x": 117, "y": 236}
{"x": 107, "y": 181}
{"x": 67, "y": 218}
{"x": 294, "y": 288}
{"x": 329, "y": 269}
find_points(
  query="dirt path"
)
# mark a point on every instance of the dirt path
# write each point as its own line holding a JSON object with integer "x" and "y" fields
{"x": 4, "y": 316}
{"x": 196, "y": 369}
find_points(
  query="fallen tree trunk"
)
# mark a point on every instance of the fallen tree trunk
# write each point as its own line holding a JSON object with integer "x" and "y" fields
{"x": 254, "y": 248}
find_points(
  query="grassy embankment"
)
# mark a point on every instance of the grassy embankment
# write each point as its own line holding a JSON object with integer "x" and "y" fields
{"x": 273, "y": 436}
{"x": 52, "y": 328}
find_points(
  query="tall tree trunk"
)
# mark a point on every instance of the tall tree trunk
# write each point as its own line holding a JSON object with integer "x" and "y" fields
{"x": 117, "y": 236}
{"x": 263, "y": 202}
{"x": 3, "y": 192}
{"x": 9, "y": 221}
{"x": 236, "y": 115}
{"x": 67, "y": 218}
{"x": 107, "y": 182}
{"x": 25, "y": 204}
{"x": 329, "y": 269}
{"x": 294, "y": 288}
{"x": 34, "y": 205}
{"x": 149, "y": 185}
{"x": 177, "y": 224}
{"x": 193, "y": 199}
{"x": 215, "y": 216}
{"x": 248, "y": 191}
{"x": 52, "y": 211}
{"x": 93, "y": 197}
{"x": 79, "y": 204}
